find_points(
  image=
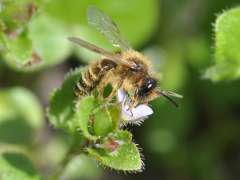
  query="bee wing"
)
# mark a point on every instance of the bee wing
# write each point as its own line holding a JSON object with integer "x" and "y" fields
{"x": 93, "y": 48}
{"x": 111, "y": 56}
{"x": 105, "y": 25}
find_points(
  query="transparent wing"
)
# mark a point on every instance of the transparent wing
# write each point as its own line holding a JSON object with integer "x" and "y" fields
{"x": 107, "y": 27}
{"x": 92, "y": 47}
{"x": 114, "y": 57}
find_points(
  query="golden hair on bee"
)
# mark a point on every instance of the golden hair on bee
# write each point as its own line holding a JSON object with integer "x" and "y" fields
{"x": 137, "y": 58}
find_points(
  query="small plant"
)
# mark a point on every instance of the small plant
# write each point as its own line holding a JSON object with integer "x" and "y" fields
{"x": 98, "y": 125}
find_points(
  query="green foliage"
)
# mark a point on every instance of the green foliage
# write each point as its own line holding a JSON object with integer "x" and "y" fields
{"x": 61, "y": 111}
{"x": 21, "y": 111}
{"x": 98, "y": 121}
{"x": 46, "y": 33}
{"x": 93, "y": 112}
{"x": 16, "y": 166}
{"x": 106, "y": 119}
{"x": 25, "y": 36}
{"x": 83, "y": 117}
{"x": 118, "y": 152}
{"x": 227, "y": 45}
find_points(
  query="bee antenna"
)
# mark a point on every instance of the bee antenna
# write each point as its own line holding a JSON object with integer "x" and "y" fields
{"x": 168, "y": 97}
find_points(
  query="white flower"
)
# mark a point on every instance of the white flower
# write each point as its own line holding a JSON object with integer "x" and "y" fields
{"x": 135, "y": 115}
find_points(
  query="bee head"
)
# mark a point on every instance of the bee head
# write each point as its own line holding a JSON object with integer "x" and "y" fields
{"x": 148, "y": 91}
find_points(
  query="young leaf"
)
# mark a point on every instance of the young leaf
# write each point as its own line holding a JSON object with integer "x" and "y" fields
{"x": 83, "y": 116}
{"x": 62, "y": 103}
{"x": 96, "y": 117}
{"x": 19, "y": 110}
{"x": 16, "y": 166}
{"x": 106, "y": 119}
{"x": 118, "y": 152}
{"x": 227, "y": 45}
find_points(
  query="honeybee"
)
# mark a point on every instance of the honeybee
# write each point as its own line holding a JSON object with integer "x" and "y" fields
{"x": 128, "y": 70}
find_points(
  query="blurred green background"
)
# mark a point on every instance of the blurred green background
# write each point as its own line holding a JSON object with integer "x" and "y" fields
{"x": 198, "y": 140}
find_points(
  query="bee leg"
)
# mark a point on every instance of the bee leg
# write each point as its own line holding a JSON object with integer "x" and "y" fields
{"x": 100, "y": 92}
{"x": 114, "y": 90}
{"x": 130, "y": 110}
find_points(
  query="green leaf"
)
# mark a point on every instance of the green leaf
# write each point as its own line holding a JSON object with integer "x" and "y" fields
{"x": 105, "y": 119}
{"x": 16, "y": 166}
{"x": 19, "y": 49}
{"x": 19, "y": 110}
{"x": 96, "y": 117}
{"x": 83, "y": 116}
{"x": 32, "y": 42}
{"x": 227, "y": 45}
{"x": 118, "y": 152}
{"x": 81, "y": 167}
{"x": 14, "y": 18}
{"x": 49, "y": 38}
{"x": 125, "y": 13}
{"x": 62, "y": 105}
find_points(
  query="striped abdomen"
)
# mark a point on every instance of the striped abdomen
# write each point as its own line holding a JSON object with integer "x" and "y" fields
{"x": 92, "y": 76}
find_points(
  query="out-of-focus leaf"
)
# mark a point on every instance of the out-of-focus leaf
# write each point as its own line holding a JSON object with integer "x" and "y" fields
{"x": 14, "y": 19}
{"x": 227, "y": 45}
{"x": 118, "y": 152}
{"x": 15, "y": 14}
{"x": 21, "y": 111}
{"x": 16, "y": 166}
{"x": 35, "y": 41}
{"x": 62, "y": 105}
{"x": 49, "y": 38}
{"x": 81, "y": 167}
{"x": 19, "y": 49}
{"x": 136, "y": 27}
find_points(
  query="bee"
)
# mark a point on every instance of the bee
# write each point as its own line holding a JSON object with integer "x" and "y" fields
{"x": 128, "y": 70}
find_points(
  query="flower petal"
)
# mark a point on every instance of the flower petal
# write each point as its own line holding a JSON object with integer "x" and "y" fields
{"x": 135, "y": 115}
{"x": 142, "y": 111}
{"x": 121, "y": 95}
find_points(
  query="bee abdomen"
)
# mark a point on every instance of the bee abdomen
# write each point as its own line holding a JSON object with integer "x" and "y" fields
{"x": 92, "y": 77}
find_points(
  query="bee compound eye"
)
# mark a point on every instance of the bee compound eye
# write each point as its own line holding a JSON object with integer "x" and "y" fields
{"x": 148, "y": 85}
